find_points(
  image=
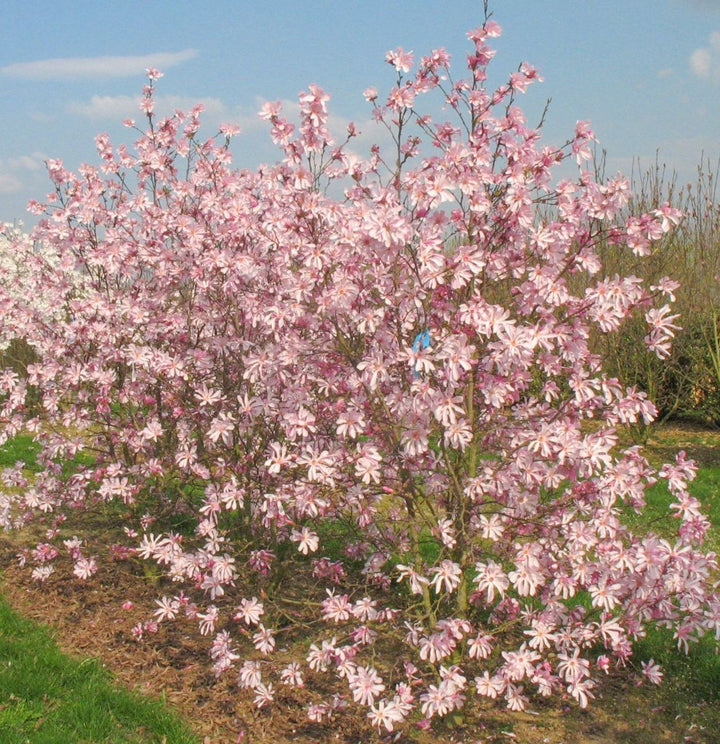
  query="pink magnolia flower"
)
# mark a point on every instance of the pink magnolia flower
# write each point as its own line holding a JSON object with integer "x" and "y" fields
{"x": 264, "y": 640}
{"x": 488, "y": 686}
{"x": 250, "y": 611}
{"x": 292, "y": 675}
{"x": 85, "y": 568}
{"x": 307, "y": 540}
{"x": 398, "y": 349}
{"x": 652, "y": 672}
{"x": 491, "y": 579}
{"x": 208, "y": 619}
{"x": 401, "y": 60}
{"x": 365, "y": 684}
{"x": 446, "y": 576}
{"x": 167, "y": 608}
{"x": 386, "y": 715}
{"x": 336, "y": 608}
{"x": 249, "y": 674}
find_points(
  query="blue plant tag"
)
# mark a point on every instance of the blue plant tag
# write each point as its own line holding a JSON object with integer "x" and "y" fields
{"x": 422, "y": 341}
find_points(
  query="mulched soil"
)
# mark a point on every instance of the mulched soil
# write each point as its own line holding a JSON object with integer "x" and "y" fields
{"x": 89, "y": 621}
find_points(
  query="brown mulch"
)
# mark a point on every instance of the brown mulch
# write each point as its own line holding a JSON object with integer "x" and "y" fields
{"x": 88, "y": 621}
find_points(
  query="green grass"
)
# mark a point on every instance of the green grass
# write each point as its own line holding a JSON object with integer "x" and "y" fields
{"x": 691, "y": 686}
{"x": 20, "y": 448}
{"x": 706, "y": 488}
{"x": 47, "y": 697}
{"x": 657, "y": 517}
{"x": 692, "y": 676}
{"x": 690, "y": 690}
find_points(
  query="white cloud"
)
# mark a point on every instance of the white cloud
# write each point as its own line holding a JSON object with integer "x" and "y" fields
{"x": 33, "y": 162}
{"x": 14, "y": 172}
{"x": 705, "y": 61}
{"x": 700, "y": 61}
{"x": 10, "y": 184}
{"x": 123, "y": 107}
{"x": 666, "y": 72}
{"x": 69, "y": 68}
{"x": 107, "y": 107}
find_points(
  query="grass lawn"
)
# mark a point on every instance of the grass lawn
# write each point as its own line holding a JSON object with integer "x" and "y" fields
{"x": 21, "y": 448}
{"x": 692, "y": 679}
{"x": 47, "y": 697}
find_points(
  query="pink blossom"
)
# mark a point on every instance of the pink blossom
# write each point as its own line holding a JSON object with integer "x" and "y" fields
{"x": 336, "y": 607}
{"x": 319, "y": 658}
{"x": 488, "y": 686}
{"x": 229, "y": 130}
{"x": 167, "y": 608}
{"x": 652, "y": 672}
{"x": 152, "y": 432}
{"x": 291, "y": 675}
{"x": 208, "y": 619}
{"x": 42, "y": 573}
{"x": 440, "y": 699}
{"x": 436, "y": 646}
{"x": 386, "y": 714}
{"x": 573, "y": 668}
{"x": 222, "y": 653}
{"x": 365, "y": 684}
{"x": 364, "y": 609}
{"x": 401, "y": 97}
{"x": 401, "y": 60}
{"x": 491, "y": 579}
{"x": 250, "y": 675}
{"x": 480, "y": 647}
{"x": 85, "y": 568}
{"x": 307, "y": 540}
{"x": 261, "y": 560}
{"x": 250, "y": 611}
{"x": 264, "y": 640}
{"x": 446, "y": 576}
{"x": 416, "y": 580}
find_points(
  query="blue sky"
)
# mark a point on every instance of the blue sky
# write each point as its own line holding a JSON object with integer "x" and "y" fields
{"x": 646, "y": 73}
